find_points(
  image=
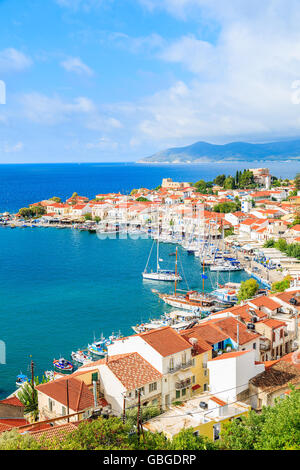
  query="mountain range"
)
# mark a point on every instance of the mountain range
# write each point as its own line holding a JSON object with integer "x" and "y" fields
{"x": 201, "y": 152}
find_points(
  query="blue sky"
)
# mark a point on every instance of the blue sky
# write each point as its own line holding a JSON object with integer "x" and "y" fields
{"x": 118, "y": 80}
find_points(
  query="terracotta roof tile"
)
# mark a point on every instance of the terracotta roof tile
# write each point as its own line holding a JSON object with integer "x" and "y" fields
{"x": 80, "y": 397}
{"x": 165, "y": 341}
{"x": 133, "y": 371}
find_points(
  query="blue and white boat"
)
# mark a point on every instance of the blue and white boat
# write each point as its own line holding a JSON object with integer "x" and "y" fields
{"x": 98, "y": 347}
{"x": 21, "y": 380}
{"x": 63, "y": 366}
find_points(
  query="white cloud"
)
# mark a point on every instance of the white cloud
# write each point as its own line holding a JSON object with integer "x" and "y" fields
{"x": 43, "y": 109}
{"x": 11, "y": 148}
{"x": 104, "y": 143}
{"x": 241, "y": 83}
{"x": 12, "y": 60}
{"x": 75, "y": 64}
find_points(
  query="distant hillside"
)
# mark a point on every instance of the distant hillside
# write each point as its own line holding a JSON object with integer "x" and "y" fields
{"x": 235, "y": 151}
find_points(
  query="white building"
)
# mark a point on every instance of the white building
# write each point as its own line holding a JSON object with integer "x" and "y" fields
{"x": 230, "y": 373}
{"x": 167, "y": 352}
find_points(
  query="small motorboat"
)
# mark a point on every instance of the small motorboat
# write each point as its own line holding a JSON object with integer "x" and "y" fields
{"x": 62, "y": 365}
{"x": 81, "y": 357}
{"x": 21, "y": 380}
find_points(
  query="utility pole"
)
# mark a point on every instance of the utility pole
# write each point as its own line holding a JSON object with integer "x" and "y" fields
{"x": 124, "y": 408}
{"x": 32, "y": 378}
{"x": 139, "y": 420}
{"x": 138, "y": 413}
{"x": 68, "y": 410}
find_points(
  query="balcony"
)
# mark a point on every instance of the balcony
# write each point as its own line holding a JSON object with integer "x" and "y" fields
{"x": 178, "y": 367}
{"x": 182, "y": 384}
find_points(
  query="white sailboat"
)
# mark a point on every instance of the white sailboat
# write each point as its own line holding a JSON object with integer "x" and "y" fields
{"x": 160, "y": 274}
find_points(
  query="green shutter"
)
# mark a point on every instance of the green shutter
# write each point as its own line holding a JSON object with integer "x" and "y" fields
{"x": 95, "y": 377}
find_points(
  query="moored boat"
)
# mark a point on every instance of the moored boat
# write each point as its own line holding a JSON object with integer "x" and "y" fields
{"x": 21, "y": 380}
{"x": 63, "y": 366}
{"x": 80, "y": 357}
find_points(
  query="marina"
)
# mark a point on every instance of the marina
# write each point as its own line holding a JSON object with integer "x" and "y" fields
{"x": 87, "y": 299}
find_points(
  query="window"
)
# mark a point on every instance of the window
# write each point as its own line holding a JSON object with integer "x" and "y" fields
{"x": 183, "y": 392}
{"x": 152, "y": 387}
{"x": 63, "y": 411}
{"x": 171, "y": 366}
{"x": 50, "y": 404}
{"x": 183, "y": 359}
{"x": 205, "y": 372}
{"x": 177, "y": 393}
{"x": 205, "y": 387}
{"x": 154, "y": 402}
{"x": 281, "y": 333}
{"x": 254, "y": 345}
{"x": 193, "y": 379}
{"x": 196, "y": 433}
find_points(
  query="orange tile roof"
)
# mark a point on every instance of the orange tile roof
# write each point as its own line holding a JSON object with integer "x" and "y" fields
{"x": 13, "y": 422}
{"x": 13, "y": 401}
{"x": 265, "y": 301}
{"x": 133, "y": 371}
{"x": 272, "y": 323}
{"x": 80, "y": 397}
{"x": 229, "y": 327}
{"x": 165, "y": 341}
{"x": 55, "y": 431}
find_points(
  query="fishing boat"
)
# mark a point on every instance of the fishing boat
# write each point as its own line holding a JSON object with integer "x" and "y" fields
{"x": 63, "y": 366}
{"x": 81, "y": 357}
{"x": 21, "y": 380}
{"x": 160, "y": 274}
{"x": 98, "y": 347}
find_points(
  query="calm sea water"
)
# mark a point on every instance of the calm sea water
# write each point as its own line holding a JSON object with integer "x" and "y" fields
{"x": 24, "y": 184}
{"x": 60, "y": 287}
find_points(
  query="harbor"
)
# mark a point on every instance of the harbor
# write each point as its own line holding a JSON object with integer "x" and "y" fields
{"x": 99, "y": 277}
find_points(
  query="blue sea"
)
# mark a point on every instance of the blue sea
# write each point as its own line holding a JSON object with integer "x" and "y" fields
{"x": 59, "y": 288}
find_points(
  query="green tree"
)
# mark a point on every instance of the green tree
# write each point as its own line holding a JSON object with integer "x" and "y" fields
{"x": 25, "y": 212}
{"x": 142, "y": 199}
{"x": 269, "y": 243}
{"x": 219, "y": 180}
{"x": 88, "y": 216}
{"x": 226, "y": 207}
{"x": 55, "y": 199}
{"x": 100, "y": 434}
{"x": 229, "y": 183}
{"x": 281, "y": 286}
{"x": 246, "y": 180}
{"x": 248, "y": 289}
{"x": 201, "y": 186}
{"x": 29, "y": 398}
{"x": 297, "y": 182}
{"x": 12, "y": 440}
{"x": 276, "y": 428}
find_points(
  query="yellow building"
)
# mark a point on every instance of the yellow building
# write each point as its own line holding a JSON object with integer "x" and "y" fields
{"x": 205, "y": 414}
{"x": 201, "y": 353}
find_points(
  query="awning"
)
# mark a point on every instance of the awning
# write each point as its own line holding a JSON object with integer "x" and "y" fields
{"x": 196, "y": 387}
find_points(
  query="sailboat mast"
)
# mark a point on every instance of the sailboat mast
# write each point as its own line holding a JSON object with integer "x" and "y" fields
{"x": 176, "y": 271}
